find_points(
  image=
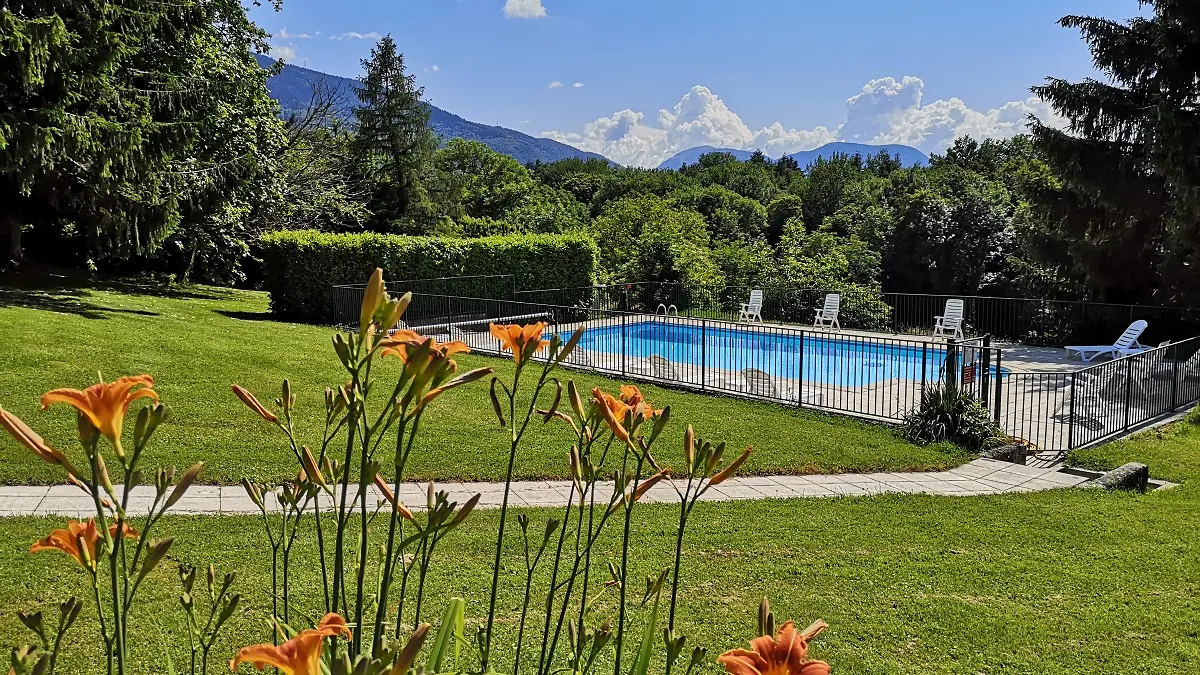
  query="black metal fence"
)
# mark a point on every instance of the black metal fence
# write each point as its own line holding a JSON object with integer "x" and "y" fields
{"x": 347, "y": 298}
{"x": 1020, "y": 320}
{"x": 867, "y": 376}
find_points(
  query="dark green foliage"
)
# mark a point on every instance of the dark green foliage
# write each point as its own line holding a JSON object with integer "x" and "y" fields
{"x": 124, "y": 122}
{"x": 301, "y": 267}
{"x": 949, "y": 414}
{"x": 1129, "y": 160}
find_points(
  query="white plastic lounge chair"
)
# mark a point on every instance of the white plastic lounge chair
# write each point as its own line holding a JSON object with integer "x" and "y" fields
{"x": 1124, "y": 346}
{"x": 661, "y": 368}
{"x": 827, "y": 316}
{"x": 760, "y": 383}
{"x": 752, "y": 311}
{"x": 949, "y": 324}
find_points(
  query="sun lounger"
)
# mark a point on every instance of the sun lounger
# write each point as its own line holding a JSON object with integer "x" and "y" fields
{"x": 1124, "y": 346}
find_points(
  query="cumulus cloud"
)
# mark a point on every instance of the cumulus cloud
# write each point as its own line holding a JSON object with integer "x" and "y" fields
{"x": 887, "y": 110}
{"x": 283, "y": 52}
{"x": 355, "y": 35}
{"x": 555, "y": 84}
{"x": 524, "y": 9}
{"x": 284, "y": 34}
{"x": 436, "y": 68}
{"x": 578, "y": 85}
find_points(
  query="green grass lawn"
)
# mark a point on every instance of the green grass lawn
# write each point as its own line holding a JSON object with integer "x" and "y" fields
{"x": 1068, "y": 581}
{"x": 197, "y": 341}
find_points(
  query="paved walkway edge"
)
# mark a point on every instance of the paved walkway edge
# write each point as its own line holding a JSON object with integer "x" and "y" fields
{"x": 979, "y": 477}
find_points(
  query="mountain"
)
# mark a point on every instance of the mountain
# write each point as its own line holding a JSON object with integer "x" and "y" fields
{"x": 909, "y": 156}
{"x": 292, "y": 88}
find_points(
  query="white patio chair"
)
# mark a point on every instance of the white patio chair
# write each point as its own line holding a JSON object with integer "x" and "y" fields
{"x": 1124, "y": 346}
{"x": 827, "y": 316}
{"x": 949, "y": 324}
{"x": 752, "y": 310}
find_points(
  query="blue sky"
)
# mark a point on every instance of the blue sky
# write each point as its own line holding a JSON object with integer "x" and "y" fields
{"x": 734, "y": 69}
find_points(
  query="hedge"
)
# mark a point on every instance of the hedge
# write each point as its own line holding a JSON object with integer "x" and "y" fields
{"x": 302, "y": 266}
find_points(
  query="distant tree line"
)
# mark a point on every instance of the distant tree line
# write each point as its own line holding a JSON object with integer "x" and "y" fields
{"x": 165, "y": 154}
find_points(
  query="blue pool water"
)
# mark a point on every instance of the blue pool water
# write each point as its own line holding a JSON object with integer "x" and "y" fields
{"x": 835, "y": 359}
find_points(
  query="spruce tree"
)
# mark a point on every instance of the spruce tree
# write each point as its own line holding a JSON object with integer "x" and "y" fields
{"x": 394, "y": 144}
{"x": 123, "y": 119}
{"x": 1126, "y": 220}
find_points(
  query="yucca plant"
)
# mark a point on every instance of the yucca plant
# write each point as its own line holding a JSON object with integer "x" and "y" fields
{"x": 949, "y": 414}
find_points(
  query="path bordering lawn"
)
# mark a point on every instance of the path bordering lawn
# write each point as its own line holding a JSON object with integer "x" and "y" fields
{"x": 979, "y": 477}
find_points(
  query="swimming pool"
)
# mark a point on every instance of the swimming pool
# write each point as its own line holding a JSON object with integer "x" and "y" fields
{"x": 840, "y": 360}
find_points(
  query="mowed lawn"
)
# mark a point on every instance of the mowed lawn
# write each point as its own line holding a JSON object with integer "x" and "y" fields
{"x": 197, "y": 341}
{"x": 1068, "y": 581}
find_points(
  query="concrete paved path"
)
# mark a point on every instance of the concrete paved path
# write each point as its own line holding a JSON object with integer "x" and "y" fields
{"x": 979, "y": 477}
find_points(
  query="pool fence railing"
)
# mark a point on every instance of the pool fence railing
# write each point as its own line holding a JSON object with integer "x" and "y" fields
{"x": 878, "y": 377}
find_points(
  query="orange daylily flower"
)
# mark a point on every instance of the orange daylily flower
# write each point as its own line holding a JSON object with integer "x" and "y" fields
{"x": 105, "y": 404}
{"x": 786, "y": 654}
{"x": 614, "y": 412}
{"x": 632, "y": 397}
{"x": 522, "y": 341}
{"x": 399, "y": 342}
{"x": 30, "y": 439}
{"x": 79, "y": 540}
{"x": 299, "y": 656}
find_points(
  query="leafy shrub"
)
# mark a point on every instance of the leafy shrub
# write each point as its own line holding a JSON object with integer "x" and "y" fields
{"x": 947, "y": 413}
{"x": 301, "y": 267}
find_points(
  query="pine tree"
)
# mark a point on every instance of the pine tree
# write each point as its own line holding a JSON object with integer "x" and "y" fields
{"x": 1128, "y": 213}
{"x": 394, "y": 144}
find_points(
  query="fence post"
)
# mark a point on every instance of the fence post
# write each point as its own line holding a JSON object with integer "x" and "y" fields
{"x": 1071, "y": 414}
{"x": 703, "y": 355}
{"x": 924, "y": 363}
{"x": 1175, "y": 379}
{"x": 623, "y": 345}
{"x": 951, "y": 375}
{"x": 800, "y": 375}
{"x": 985, "y": 376}
{"x": 999, "y": 383}
{"x": 1128, "y": 389}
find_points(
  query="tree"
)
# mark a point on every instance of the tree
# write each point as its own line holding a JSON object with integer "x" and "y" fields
{"x": 320, "y": 187}
{"x": 782, "y": 209}
{"x": 394, "y": 144}
{"x": 730, "y": 216}
{"x": 644, "y": 238}
{"x": 122, "y": 121}
{"x": 1130, "y": 157}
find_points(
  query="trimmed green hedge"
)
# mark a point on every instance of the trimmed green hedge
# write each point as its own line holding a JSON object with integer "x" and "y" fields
{"x": 301, "y": 267}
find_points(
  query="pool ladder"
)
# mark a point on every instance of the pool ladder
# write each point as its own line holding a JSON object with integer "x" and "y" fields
{"x": 666, "y": 311}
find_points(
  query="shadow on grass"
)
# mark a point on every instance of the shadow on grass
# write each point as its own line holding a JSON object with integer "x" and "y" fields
{"x": 63, "y": 301}
{"x": 68, "y": 291}
{"x": 247, "y": 316}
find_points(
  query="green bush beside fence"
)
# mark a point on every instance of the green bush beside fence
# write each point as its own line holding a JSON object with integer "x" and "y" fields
{"x": 301, "y": 267}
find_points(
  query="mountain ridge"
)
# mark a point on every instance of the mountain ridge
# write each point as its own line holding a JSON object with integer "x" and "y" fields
{"x": 909, "y": 156}
{"x": 292, "y": 89}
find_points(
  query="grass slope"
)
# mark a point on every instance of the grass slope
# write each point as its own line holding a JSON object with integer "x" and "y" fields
{"x": 196, "y": 342}
{"x": 1078, "y": 582}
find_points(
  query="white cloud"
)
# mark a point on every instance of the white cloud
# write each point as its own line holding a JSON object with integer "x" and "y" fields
{"x": 578, "y": 85}
{"x": 524, "y": 9}
{"x": 523, "y": 122}
{"x": 885, "y": 111}
{"x": 355, "y": 35}
{"x": 555, "y": 84}
{"x": 436, "y": 68}
{"x": 283, "y": 52}
{"x": 285, "y": 35}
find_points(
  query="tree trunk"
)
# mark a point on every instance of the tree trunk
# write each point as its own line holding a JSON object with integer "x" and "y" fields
{"x": 10, "y": 239}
